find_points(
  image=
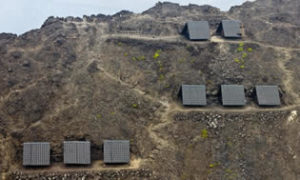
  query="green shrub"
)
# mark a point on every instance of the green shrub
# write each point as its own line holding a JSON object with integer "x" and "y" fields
{"x": 98, "y": 116}
{"x": 141, "y": 58}
{"x": 249, "y": 49}
{"x": 212, "y": 165}
{"x": 237, "y": 60}
{"x": 161, "y": 77}
{"x": 204, "y": 133}
{"x": 135, "y": 106}
{"x": 156, "y": 54}
{"x": 240, "y": 49}
{"x": 182, "y": 60}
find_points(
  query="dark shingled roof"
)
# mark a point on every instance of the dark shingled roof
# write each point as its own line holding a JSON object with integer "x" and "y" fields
{"x": 267, "y": 95}
{"x": 233, "y": 95}
{"x": 77, "y": 152}
{"x": 36, "y": 154}
{"x": 198, "y": 30}
{"x": 231, "y": 28}
{"x": 193, "y": 95}
{"x": 116, "y": 151}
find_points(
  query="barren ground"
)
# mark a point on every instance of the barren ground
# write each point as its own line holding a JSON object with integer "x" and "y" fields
{"x": 98, "y": 78}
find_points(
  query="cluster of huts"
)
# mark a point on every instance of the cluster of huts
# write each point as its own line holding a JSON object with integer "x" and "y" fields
{"x": 118, "y": 151}
{"x": 232, "y": 95}
{"x": 199, "y": 30}
{"x": 76, "y": 152}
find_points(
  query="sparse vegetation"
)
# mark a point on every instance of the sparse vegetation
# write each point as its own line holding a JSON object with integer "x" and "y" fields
{"x": 141, "y": 58}
{"x": 204, "y": 133}
{"x": 161, "y": 77}
{"x": 160, "y": 65}
{"x": 193, "y": 60}
{"x": 242, "y": 55}
{"x": 156, "y": 54}
{"x": 213, "y": 165}
{"x": 181, "y": 60}
{"x": 240, "y": 49}
{"x": 99, "y": 116}
{"x": 237, "y": 60}
{"x": 135, "y": 106}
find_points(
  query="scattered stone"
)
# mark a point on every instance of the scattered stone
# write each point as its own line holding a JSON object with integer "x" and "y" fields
{"x": 26, "y": 63}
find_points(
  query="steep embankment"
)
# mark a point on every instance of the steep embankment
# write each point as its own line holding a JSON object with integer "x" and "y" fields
{"x": 117, "y": 77}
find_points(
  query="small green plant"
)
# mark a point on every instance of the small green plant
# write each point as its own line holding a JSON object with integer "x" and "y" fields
{"x": 230, "y": 174}
{"x": 182, "y": 60}
{"x": 241, "y": 44}
{"x": 229, "y": 171}
{"x": 98, "y": 116}
{"x": 240, "y": 49}
{"x": 119, "y": 44}
{"x": 156, "y": 54}
{"x": 204, "y": 133}
{"x": 237, "y": 60}
{"x": 161, "y": 77}
{"x": 135, "y": 106}
{"x": 244, "y": 55}
{"x": 141, "y": 58}
{"x": 113, "y": 113}
{"x": 160, "y": 66}
{"x": 126, "y": 54}
{"x": 134, "y": 58}
{"x": 249, "y": 49}
{"x": 193, "y": 60}
{"x": 242, "y": 66}
{"x": 212, "y": 165}
{"x": 229, "y": 143}
{"x": 167, "y": 85}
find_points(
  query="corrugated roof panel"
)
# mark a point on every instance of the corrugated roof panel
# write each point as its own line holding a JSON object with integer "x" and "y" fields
{"x": 267, "y": 95}
{"x": 116, "y": 151}
{"x": 231, "y": 28}
{"x": 77, "y": 152}
{"x": 198, "y": 30}
{"x": 26, "y": 154}
{"x": 233, "y": 95}
{"x": 193, "y": 95}
{"x": 36, "y": 154}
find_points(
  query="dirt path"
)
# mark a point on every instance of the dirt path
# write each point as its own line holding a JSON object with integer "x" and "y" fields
{"x": 4, "y": 98}
{"x": 288, "y": 78}
{"x": 153, "y": 128}
{"x": 175, "y": 38}
{"x": 248, "y": 108}
{"x": 95, "y": 166}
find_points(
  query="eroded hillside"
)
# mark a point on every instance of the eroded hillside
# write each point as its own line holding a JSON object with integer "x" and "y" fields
{"x": 118, "y": 77}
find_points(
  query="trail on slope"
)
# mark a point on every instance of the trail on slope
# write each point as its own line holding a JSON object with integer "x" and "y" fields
{"x": 288, "y": 78}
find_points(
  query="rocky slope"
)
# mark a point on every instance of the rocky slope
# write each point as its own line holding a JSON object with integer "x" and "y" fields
{"x": 117, "y": 77}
